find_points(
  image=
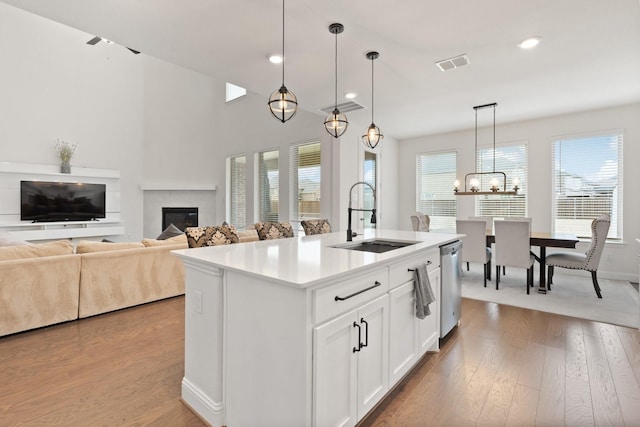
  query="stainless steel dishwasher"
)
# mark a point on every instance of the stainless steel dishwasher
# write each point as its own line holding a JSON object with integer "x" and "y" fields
{"x": 450, "y": 286}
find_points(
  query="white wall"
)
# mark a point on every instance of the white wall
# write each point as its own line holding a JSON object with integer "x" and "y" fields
{"x": 53, "y": 86}
{"x": 618, "y": 260}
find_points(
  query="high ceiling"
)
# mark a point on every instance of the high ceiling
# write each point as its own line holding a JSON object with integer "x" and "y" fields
{"x": 589, "y": 56}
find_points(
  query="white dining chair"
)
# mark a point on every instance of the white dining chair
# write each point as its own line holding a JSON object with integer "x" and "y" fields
{"x": 588, "y": 261}
{"x": 517, "y": 218}
{"x": 513, "y": 248}
{"x": 474, "y": 245}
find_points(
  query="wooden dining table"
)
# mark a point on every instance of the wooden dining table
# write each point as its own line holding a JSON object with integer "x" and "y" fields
{"x": 543, "y": 241}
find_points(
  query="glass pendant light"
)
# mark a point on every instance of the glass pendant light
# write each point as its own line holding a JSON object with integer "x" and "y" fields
{"x": 336, "y": 123}
{"x": 372, "y": 136}
{"x": 283, "y": 104}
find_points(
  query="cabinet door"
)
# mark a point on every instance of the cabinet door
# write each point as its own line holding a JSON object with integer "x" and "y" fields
{"x": 429, "y": 327}
{"x": 403, "y": 351}
{"x": 335, "y": 371}
{"x": 373, "y": 362}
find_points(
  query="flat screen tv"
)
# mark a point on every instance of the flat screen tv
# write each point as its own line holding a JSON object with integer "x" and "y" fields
{"x": 61, "y": 201}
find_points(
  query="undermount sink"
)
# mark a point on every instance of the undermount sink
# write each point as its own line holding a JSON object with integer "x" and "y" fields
{"x": 377, "y": 245}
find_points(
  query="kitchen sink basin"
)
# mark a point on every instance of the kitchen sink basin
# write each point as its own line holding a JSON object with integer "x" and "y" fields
{"x": 377, "y": 245}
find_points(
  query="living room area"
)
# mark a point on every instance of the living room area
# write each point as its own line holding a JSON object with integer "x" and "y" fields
{"x": 160, "y": 137}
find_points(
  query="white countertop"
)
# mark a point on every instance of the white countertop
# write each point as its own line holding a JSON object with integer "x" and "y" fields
{"x": 309, "y": 260}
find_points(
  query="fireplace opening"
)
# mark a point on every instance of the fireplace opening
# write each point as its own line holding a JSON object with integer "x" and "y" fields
{"x": 180, "y": 217}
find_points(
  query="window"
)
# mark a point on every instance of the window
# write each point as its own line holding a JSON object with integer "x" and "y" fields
{"x": 512, "y": 160}
{"x": 237, "y": 191}
{"x": 587, "y": 182}
{"x": 268, "y": 185}
{"x": 435, "y": 174}
{"x": 234, "y": 92}
{"x": 305, "y": 181}
{"x": 370, "y": 162}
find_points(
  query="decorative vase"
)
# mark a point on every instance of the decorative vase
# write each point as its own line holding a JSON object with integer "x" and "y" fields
{"x": 65, "y": 167}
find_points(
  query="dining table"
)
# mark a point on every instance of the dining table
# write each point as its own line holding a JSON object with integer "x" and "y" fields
{"x": 543, "y": 240}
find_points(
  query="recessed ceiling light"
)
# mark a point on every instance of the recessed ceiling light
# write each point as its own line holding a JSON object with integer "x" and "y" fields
{"x": 529, "y": 43}
{"x": 350, "y": 95}
{"x": 275, "y": 59}
{"x": 107, "y": 41}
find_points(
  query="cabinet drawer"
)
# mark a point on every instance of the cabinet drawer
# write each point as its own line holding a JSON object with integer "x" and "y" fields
{"x": 336, "y": 299}
{"x": 399, "y": 273}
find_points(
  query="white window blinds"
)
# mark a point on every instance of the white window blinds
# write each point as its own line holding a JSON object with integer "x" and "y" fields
{"x": 305, "y": 181}
{"x": 237, "y": 191}
{"x": 268, "y": 184}
{"x": 512, "y": 160}
{"x": 435, "y": 174}
{"x": 587, "y": 182}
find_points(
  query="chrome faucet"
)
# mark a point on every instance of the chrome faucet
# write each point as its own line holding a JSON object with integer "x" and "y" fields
{"x": 351, "y": 234}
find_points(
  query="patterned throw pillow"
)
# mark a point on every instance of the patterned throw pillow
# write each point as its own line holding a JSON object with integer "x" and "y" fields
{"x": 198, "y": 237}
{"x": 316, "y": 226}
{"x": 273, "y": 230}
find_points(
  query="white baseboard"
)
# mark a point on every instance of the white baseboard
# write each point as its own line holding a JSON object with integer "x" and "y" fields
{"x": 210, "y": 411}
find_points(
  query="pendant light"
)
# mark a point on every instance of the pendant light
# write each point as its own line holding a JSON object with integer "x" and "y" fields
{"x": 372, "y": 136}
{"x": 336, "y": 123}
{"x": 474, "y": 178}
{"x": 283, "y": 104}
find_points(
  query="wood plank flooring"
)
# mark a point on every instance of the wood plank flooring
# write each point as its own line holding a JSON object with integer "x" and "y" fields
{"x": 503, "y": 366}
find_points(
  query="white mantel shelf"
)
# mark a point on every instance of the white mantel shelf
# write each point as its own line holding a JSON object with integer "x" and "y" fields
{"x": 178, "y": 187}
{"x": 54, "y": 170}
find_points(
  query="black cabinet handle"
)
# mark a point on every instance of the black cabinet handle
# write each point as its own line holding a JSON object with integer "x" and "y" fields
{"x": 355, "y": 324}
{"x": 366, "y": 333}
{"x": 337, "y": 298}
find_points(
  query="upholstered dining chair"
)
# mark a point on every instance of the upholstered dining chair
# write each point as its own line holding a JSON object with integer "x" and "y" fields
{"x": 513, "y": 248}
{"x": 315, "y": 226}
{"x": 474, "y": 244}
{"x": 589, "y": 260}
{"x": 420, "y": 222}
{"x": 517, "y": 218}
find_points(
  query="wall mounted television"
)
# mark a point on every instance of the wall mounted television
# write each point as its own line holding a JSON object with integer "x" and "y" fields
{"x": 42, "y": 201}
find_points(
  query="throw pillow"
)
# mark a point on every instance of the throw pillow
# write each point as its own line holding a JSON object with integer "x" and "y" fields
{"x": 170, "y": 231}
{"x": 316, "y": 226}
{"x": 273, "y": 230}
{"x": 198, "y": 237}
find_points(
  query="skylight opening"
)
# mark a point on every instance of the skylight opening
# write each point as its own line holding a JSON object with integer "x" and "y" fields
{"x": 234, "y": 92}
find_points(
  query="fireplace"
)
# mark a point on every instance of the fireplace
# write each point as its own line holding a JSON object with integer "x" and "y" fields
{"x": 180, "y": 217}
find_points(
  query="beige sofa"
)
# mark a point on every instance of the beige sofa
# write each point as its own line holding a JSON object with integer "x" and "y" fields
{"x": 39, "y": 286}
{"x": 48, "y": 283}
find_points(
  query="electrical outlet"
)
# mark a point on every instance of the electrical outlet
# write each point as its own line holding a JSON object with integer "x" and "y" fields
{"x": 197, "y": 302}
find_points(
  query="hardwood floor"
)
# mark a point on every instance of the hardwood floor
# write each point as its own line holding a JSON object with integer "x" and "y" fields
{"x": 503, "y": 366}
{"x": 511, "y": 366}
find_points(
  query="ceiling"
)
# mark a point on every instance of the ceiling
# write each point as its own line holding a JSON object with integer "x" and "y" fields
{"x": 589, "y": 56}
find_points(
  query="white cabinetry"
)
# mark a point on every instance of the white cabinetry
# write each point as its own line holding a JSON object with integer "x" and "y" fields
{"x": 411, "y": 337}
{"x": 350, "y": 364}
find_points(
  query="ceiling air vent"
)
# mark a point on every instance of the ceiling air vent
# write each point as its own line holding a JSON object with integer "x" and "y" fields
{"x": 344, "y": 107}
{"x": 451, "y": 63}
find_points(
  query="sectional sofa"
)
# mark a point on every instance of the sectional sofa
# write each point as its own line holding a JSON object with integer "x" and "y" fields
{"x": 48, "y": 283}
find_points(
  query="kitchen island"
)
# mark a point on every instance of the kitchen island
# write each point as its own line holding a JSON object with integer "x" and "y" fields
{"x": 297, "y": 332}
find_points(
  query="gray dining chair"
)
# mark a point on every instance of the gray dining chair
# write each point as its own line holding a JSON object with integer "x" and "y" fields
{"x": 513, "y": 248}
{"x": 474, "y": 245}
{"x": 588, "y": 261}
